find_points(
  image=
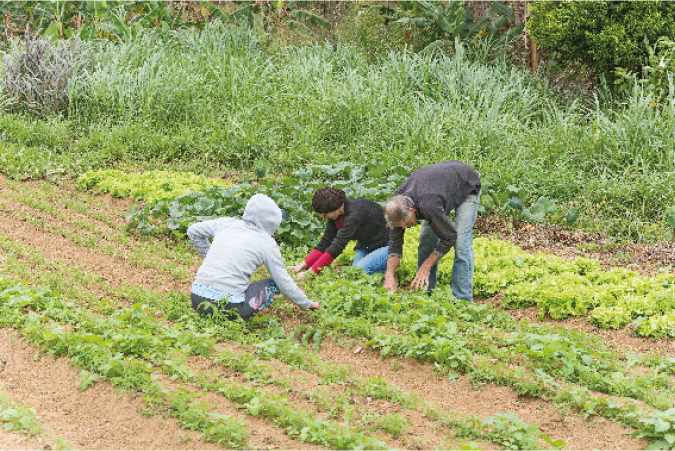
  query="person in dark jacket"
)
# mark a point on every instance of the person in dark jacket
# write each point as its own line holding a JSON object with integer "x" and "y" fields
{"x": 348, "y": 219}
{"x": 430, "y": 194}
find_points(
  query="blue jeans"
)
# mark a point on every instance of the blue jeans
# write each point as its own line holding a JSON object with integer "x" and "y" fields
{"x": 461, "y": 280}
{"x": 372, "y": 262}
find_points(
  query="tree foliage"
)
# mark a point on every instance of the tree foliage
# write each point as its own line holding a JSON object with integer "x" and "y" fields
{"x": 603, "y": 35}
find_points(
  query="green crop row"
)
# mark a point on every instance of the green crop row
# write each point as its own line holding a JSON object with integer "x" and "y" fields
{"x": 21, "y": 162}
{"x": 138, "y": 254}
{"x": 448, "y": 332}
{"x": 559, "y": 288}
{"x": 44, "y": 196}
{"x": 294, "y": 194}
{"x": 562, "y": 288}
{"x": 104, "y": 355}
{"x": 549, "y": 354}
{"x": 15, "y": 417}
{"x": 151, "y": 186}
{"x": 516, "y": 380}
{"x": 136, "y": 345}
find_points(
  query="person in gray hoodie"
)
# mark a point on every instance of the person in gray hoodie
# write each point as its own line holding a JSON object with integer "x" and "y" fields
{"x": 233, "y": 249}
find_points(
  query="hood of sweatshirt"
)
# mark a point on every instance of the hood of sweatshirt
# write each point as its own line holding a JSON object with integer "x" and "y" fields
{"x": 263, "y": 212}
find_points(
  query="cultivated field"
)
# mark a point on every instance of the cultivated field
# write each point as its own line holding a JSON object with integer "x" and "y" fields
{"x": 98, "y": 340}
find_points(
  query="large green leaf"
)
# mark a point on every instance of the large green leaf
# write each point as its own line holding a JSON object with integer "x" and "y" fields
{"x": 97, "y": 7}
{"x": 670, "y": 216}
{"x": 436, "y": 44}
{"x": 486, "y": 205}
{"x": 216, "y": 12}
{"x": 123, "y": 32}
{"x": 572, "y": 215}
{"x": 310, "y": 17}
{"x": 501, "y": 9}
{"x": 515, "y": 203}
{"x": 148, "y": 18}
{"x": 52, "y": 31}
{"x": 661, "y": 425}
{"x": 544, "y": 204}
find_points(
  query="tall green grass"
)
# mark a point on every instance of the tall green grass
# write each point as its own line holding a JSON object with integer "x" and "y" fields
{"x": 219, "y": 97}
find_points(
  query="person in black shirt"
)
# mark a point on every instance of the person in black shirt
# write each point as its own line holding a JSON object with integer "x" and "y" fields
{"x": 430, "y": 194}
{"x": 348, "y": 219}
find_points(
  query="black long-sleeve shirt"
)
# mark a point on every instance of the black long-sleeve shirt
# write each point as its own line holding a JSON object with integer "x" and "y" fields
{"x": 436, "y": 190}
{"x": 363, "y": 221}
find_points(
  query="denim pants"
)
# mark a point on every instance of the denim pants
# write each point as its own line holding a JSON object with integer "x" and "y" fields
{"x": 461, "y": 280}
{"x": 372, "y": 262}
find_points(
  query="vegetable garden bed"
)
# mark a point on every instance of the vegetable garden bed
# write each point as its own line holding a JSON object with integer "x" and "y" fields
{"x": 132, "y": 366}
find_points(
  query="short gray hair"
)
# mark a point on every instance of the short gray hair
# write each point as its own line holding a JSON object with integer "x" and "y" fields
{"x": 397, "y": 209}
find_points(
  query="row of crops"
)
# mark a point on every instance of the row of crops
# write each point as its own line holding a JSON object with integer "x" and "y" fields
{"x": 148, "y": 341}
{"x": 131, "y": 346}
{"x": 561, "y": 289}
{"x": 146, "y": 347}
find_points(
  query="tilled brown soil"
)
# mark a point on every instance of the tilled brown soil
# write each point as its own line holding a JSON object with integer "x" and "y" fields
{"x": 98, "y": 418}
{"x": 101, "y": 418}
{"x": 461, "y": 397}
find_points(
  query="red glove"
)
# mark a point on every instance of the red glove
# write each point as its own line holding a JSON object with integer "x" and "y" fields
{"x": 313, "y": 257}
{"x": 324, "y": 260}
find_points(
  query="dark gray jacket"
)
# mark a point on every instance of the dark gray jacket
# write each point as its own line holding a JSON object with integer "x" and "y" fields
{"x": 436, "y": 190}
{"x": 363, "y": 221}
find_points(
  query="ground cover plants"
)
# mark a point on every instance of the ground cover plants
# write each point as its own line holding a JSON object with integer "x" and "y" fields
{"x": 559, "y": 288}
{"x": 151, "y": 187}
{"x": 15, "y": 417}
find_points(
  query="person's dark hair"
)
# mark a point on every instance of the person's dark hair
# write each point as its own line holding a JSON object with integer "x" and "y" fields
{"x": 328, "y": 199}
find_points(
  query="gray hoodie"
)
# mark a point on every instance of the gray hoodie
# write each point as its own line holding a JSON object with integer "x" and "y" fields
{"x": 239, "y": 247}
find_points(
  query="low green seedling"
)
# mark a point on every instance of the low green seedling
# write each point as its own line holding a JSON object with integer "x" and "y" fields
{"x": 87, "y": 379}
{"x": 659, "y": 428}
{"x": 15, "y": 417}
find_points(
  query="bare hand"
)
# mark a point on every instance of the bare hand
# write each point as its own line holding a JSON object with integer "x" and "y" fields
{"x": 298, "y": 268}
{"x": 421, "y": 279}
{"x": 390, "y": 283}
{"x": 302, "y": 275}
{"x": 315, "y": 306}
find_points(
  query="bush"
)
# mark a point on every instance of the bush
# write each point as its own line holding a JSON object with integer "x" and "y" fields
{"x": 602, "y": 35}
{"x": 657, "y": 74}
{"x": 367, "y": 30}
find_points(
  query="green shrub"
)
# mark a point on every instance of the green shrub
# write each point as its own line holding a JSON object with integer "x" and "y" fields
{"x": 603, "y": 35}
{"x": 366, "y": 29}
{"x": 27, "y": 131}
{"x": 24, "y": 163}
{"x": 37, "y": 74}
{"x": 657, "y": 74}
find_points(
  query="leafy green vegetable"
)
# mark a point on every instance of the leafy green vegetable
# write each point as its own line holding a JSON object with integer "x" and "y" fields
{"x": 152, "y": 186}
